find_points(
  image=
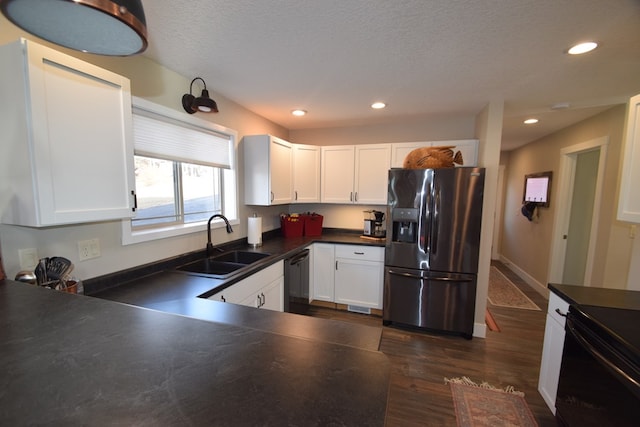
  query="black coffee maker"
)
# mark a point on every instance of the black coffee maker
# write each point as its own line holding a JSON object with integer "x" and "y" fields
{"x": 374, "y": 224}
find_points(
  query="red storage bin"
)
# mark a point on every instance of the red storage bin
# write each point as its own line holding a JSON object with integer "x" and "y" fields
{"x": 292, "y": 226}
{"x": 312, "y": 225}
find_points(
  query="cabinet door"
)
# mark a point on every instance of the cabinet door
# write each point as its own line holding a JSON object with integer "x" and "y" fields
{"x": 551, "y": 360}
{"x": 306, "y": 173}
{"x": 273, "y": 295}
{"x": 358, "y": 282}
{"x": 280, "y": 171}
{"x": 268, "y": 176}
{"x": 337, "y": 173}
{"x": 372, "y": 173}
{"x": 552, "y": 350}
{"x": 70, "y": 124}
{"x": 323, "y": 271}
{"x": 629, "y": 198}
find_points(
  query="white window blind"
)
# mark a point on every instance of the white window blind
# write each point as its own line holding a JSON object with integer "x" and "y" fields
{"x": 171, "y": 139}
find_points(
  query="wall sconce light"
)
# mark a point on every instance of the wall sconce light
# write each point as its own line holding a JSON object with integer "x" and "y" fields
{"x": 104, "y": 27}
{"x": 203, "y": 103}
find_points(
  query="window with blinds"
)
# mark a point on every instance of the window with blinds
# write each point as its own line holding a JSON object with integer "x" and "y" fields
{"x": 184, "y": 172}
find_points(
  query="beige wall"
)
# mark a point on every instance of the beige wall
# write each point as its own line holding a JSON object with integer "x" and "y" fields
{"x": 527, "y": 245}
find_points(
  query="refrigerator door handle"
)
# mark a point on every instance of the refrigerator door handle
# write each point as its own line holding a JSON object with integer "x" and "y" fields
{"x": 434, "y": 279}
{"x": 436, "y": 220}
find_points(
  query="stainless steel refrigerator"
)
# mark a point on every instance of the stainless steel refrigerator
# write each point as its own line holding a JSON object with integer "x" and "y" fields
{"x": 431, "y": 258}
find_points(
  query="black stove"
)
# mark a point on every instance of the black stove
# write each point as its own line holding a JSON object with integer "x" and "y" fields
{"x": 620, "y": 327}
{"x": 599, "y": 382}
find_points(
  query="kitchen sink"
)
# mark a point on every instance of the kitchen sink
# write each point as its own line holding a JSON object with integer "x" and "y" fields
{"x": 223, "y": 265}
{"x": 240, "y": 257}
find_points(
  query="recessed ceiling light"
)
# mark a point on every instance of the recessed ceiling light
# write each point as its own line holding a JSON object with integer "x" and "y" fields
{"x": 582, "y": 48}
{"x": 531, "y": 121}
{"x": 298, "y": 113}
{"x": 378, "y": 105}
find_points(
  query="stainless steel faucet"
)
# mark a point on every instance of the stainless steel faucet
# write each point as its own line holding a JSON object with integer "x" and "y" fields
{"x": 229, "y": 230}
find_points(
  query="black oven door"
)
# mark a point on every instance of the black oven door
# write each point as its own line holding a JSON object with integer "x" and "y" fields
{"x": 598, "y": 385}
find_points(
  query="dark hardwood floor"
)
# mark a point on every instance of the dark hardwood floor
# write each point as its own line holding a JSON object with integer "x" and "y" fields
{"x": 420, "y": 361}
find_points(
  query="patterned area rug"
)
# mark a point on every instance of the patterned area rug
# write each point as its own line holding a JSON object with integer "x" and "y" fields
{"x": 483, "y": 405}
{"x": 503, "y": 293}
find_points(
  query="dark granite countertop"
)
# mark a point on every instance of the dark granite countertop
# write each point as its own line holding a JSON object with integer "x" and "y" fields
{"x": 598, "y": 297}
{"x": 72, "y": 360}
{"x": 179, "y": 293}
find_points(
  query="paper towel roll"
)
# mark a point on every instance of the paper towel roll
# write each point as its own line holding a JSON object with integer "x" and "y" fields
{"x": 254, "y": 231}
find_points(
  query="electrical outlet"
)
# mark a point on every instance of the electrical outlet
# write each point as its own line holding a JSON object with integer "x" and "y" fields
{"x": 28, "y": 258}
{"x": 88, "y": 249}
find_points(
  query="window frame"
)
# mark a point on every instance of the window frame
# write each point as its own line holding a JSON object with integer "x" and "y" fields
{"x": 229, "y": 178}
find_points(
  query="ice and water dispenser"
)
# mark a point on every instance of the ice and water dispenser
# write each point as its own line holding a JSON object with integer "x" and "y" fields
{"x": 404, "y": 225}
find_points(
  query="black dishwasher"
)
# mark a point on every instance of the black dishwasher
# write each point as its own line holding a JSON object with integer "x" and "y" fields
{"x": 296, "y": 283}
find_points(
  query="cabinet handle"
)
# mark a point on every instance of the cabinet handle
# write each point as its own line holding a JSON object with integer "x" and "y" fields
{"x": 272, "y": 196}
{"x": 296, "y": 197}
{"x": 135, "y": 201}
{"x": 264, "y": 299}
{"x": 358, "y": 253}
{"x": 351, "y": 196}
{"x": 336, "y": 264}
{"x": 259, "y": 301}
{"x": 355, "y": 198}
{"x": 222, "y": 298}
{"x": 561, "y": 313}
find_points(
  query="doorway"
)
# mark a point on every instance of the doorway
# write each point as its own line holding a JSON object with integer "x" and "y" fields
{"x": 577, "y": 213}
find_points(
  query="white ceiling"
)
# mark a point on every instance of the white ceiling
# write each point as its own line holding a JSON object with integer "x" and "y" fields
{"x": 424, "y": 58}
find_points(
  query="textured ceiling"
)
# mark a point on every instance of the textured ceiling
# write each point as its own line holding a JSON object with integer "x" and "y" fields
{"x": 422, "y": 57}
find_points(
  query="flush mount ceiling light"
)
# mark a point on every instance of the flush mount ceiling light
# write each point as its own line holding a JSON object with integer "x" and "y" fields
{"x": 378, "y": 105}
{"x": 531, "y": 121}
{"x": 581, "y": 48}
{"x": 203, "y": 103}
{"x": 299, "y": 113}
{"x": 104, "y": 27}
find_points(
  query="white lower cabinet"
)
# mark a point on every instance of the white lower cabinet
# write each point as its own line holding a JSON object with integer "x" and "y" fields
{"x": 264, "y": 289}
{"x": 323, "y": 267}
{"x": 349, "y": 274}
{"x": 552, "y": 350}
{"x": 270, "y": 297}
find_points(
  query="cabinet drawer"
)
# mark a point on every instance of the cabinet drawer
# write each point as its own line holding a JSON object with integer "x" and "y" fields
{"x": 367, "y": 253}
{"x": 558, "y": 308}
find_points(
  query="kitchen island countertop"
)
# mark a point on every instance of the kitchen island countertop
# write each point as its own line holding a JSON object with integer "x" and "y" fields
{"x": 69, "y": 359}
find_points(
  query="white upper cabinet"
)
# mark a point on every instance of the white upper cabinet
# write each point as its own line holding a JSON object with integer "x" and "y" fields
{"x": 268, "y": 170}
{"x": 67, "y": 152}
{"x": 337, "y": 172}
{"x": 372, "y": 174}
{"x": 629, "y": 200}
{"x": 355, "y": 174}
{"x": 468, "y": 149}
{"x": 306, "y": 173}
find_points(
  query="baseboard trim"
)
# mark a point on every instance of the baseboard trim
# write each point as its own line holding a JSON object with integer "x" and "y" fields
{"x": 480, "y": 330}
{"x": 529, "y": 280}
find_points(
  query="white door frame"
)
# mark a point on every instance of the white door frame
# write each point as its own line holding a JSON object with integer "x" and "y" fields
{"x": 497, "y": 221}
{"x": 568, "y": 159}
